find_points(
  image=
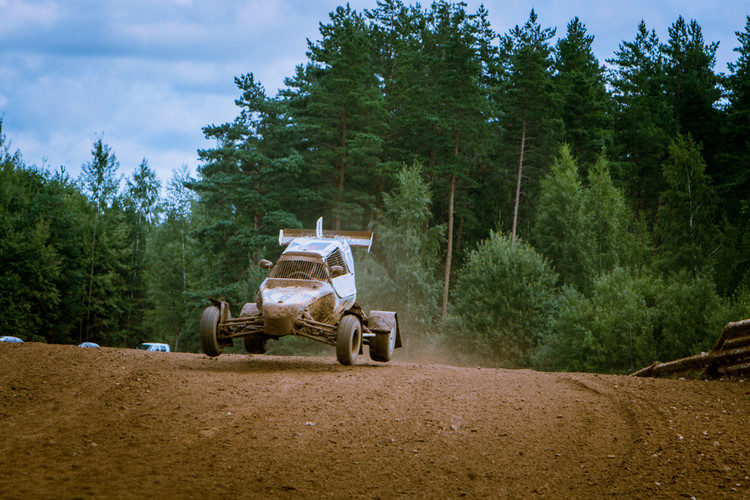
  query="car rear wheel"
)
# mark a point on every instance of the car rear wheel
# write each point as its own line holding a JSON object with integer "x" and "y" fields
{"x": 256, "y": 344}
{"x": 348, "y": 340}
{"x": 383, "y": 345}
{"x": 210, "y": 331}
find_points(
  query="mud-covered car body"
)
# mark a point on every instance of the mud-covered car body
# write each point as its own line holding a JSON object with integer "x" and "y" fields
{"x": 311, "y": 292}
{"x": 304, "y": 285}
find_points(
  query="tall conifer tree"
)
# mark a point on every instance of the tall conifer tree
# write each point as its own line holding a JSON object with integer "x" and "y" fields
{"x": 687, "y": 231}
{"x": 459, "y": 122}
{"x": 340, "y": 113}
{"x": 733, "y": 179}
{"x": 644, "y": 120}
{"x": 171, "y": 252}
{"x": 246, "y": 184}
{"x": 106, "y": 247}
{"x": 733, "y": 183}
{"x": 693, "y": 86}
{"x": 532, "y": 122}
{"x": 438, "y": 97}
{"x": 141, "y": 200}
{"x": 562, "y": 229}
{"x": 580, "y": 81}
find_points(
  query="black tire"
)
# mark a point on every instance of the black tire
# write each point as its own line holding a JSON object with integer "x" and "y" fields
{"x": 382, "y": 346}
{"x": 348, "y": 340}
{"x": 256, "y": 344}
{"x": 210, "y": 331}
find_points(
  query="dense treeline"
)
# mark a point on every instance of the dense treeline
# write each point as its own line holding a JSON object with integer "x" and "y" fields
{"x": 532, "y": 207}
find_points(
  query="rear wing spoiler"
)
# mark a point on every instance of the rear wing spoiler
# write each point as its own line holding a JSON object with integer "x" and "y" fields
{"x": 362, "y": 239}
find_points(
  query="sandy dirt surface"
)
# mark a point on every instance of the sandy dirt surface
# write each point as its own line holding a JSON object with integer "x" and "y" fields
{"x": 120, "y": 423}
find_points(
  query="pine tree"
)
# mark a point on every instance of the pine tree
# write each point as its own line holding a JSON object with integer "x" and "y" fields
{"x": 562, "y": 229}
{"x": 580, "y": 81}
{"x": 142, "y": 210}
{"x": 142, "y": 194}
{"x": 687, "y": 231}
{"x": 609, "y": 331}
{"x": 460, "y": 120}
{"x": 693, "y": 86}
{"x": 618, "y": 239}
{"x": 410, "y": 247}
{"x": 733, "y": 182}
{"x": 644, "y": 120}
{"x": 99, "y": 178}
{"x": 108, "y": 293}
{"x": 69, "y": 217}
{"x": 532, "y": 123}
{"x": 105, "y": 246}
{"x": 170, "y": 253}
{"x": 620, "y": 337}
{"x": 434, "y": 71}
{"x": 31, "y": 263}
{"x": 733, "y": 179}
{"x": 398, "y": 48}
{"x": 502, "y": 302}
{"x": 338, "y": 106}
{"x": 247, "y": 185}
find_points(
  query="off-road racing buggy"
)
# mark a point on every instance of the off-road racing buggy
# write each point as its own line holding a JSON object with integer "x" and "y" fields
{"x": 310, "y": 292}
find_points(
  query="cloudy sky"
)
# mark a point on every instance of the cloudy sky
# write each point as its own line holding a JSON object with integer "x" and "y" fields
{"x": 147, "y": 75}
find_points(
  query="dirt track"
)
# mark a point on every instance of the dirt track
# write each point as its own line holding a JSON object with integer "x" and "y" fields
{"x": 121, "y": 423}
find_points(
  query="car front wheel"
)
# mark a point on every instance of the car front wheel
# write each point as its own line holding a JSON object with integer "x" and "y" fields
{"x": 210, "y": 331}
{"x": 348, "y": 340}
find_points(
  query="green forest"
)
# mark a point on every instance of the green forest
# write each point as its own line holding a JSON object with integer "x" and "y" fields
{"x": 532, "y": 205}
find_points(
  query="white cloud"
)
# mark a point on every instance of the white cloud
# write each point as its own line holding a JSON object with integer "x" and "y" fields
{"x": 17, "y": 16}
{"x": 161, "y": 34}
{"x": 260, "y": 15}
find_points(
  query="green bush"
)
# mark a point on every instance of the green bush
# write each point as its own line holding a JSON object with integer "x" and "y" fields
{"x": 502, "y": 302}
{"x": 691, "y": 316}
{"x": 634, "y": 318}
{"x": 610, "y": 332}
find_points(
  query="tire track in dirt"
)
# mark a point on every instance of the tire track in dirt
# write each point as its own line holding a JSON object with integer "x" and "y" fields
{"x": 687, "y": 438}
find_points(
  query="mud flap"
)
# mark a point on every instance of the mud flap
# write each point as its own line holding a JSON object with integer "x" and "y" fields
{"x": 383, "y": 322}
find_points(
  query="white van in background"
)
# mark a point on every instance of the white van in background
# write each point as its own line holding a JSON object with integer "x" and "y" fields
{"x": 152, "y": 346}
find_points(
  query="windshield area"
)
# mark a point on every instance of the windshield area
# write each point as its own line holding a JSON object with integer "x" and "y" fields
{"x": 300, "y": 270}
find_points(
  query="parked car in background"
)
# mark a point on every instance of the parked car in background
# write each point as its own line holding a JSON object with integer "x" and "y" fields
{"x": 88, "y": 344}
{"x": 154, "y": 346}
{"x": 9, "y": 338}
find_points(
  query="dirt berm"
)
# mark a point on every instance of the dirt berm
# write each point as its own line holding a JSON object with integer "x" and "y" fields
{"x": 120, "y": 423}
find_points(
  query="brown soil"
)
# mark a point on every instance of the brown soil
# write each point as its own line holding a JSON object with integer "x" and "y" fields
{"x": 120, "y": 423}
